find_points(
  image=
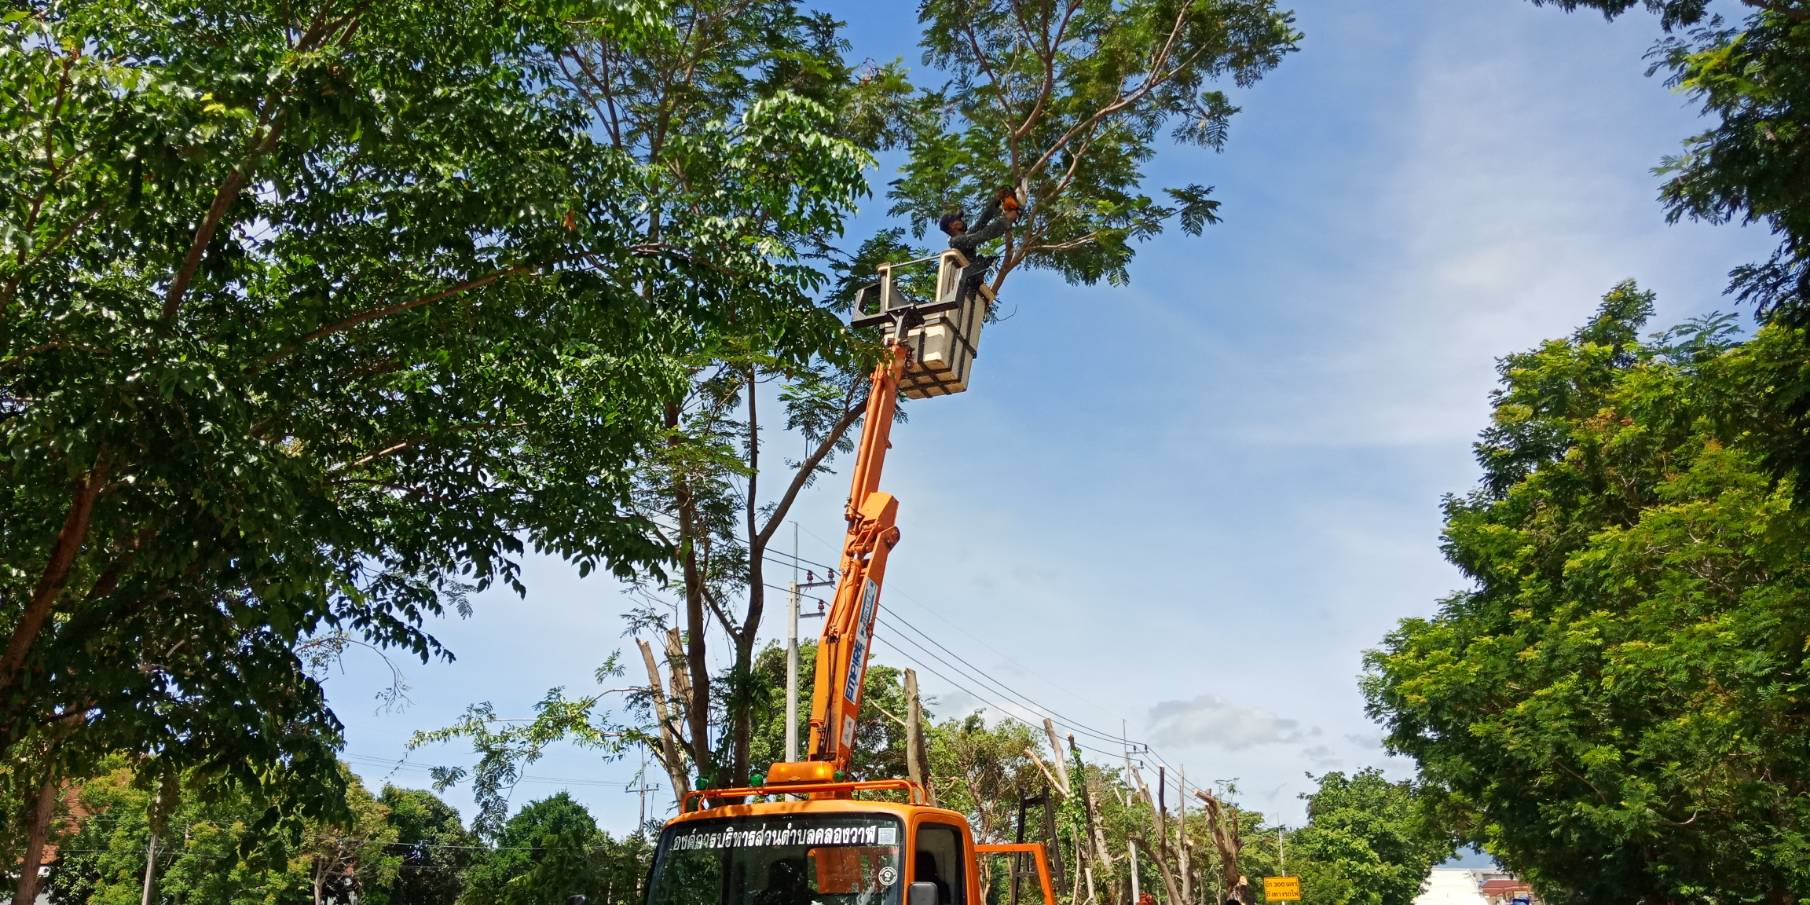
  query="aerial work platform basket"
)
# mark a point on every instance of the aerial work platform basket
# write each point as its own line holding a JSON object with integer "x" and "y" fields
{"x": 942, "y": 331}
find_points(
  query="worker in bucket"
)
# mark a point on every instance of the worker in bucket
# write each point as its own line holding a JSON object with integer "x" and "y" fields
{"x": 1001, "y": 211}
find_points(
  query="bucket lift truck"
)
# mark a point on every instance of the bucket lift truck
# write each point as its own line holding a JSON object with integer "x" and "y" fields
{"x": 800, "y": 836}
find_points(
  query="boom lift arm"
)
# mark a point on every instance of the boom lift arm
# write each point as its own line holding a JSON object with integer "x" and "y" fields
{"x": 727, "y": 842}
{"x": 848, "y": 630}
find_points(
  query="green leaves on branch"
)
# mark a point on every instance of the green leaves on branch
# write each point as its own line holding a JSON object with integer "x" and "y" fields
{"x": 1616, "y": 708}
{"x": 313, "y": 316}
{"x": 1071, "y": 100}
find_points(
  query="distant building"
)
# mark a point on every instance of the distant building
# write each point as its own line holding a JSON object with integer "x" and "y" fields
{"x": 1507, "y": 891}
{"x": 1472, "y": 886}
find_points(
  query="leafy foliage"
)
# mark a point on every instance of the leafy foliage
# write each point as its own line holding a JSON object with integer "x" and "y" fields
{"x": 1070, "y": 100}
{"x": 879, "y": 749}
{"x": 216, "y": 849}
{"x": 1367, "y": 842}
{"x": 432, "y": 846}
{"x": 552, "y": 850}
{"x": 312, "y": 315}
{"x": 1616, "y": 708}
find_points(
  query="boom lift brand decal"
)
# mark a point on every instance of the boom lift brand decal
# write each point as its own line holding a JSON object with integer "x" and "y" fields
{"x": 864, "y": 632}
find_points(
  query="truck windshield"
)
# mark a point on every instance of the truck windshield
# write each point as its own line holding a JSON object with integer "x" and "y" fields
{"x": 795, "y": 859}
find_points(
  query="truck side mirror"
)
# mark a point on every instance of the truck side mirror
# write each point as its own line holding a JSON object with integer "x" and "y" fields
{"x": 921, "y": 894}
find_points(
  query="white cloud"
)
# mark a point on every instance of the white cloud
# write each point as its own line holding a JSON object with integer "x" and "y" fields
{"x": 1212, "y": 721}
{"x": 1322, "y": 756}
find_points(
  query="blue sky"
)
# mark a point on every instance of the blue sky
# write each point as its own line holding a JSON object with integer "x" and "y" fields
{"x": 1189, "y": 505}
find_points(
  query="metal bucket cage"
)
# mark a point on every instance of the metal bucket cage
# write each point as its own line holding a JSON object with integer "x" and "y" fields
{"x": 942, "y": 332}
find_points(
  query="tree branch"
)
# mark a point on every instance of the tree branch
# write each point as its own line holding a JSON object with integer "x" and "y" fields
{"x": 397, "y": 308}
{"x": 809, "y": 468}
{"x": 56, "y": 572}
{"x": 224, "y": 197}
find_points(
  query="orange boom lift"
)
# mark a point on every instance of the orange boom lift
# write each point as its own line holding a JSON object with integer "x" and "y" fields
{"x": 801, "y": 837}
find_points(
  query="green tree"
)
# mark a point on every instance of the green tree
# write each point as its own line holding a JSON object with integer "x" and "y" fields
{"x": 214, "y": 845}
{"x": 1096, "y": 90}
{"x": 434, "y": 847}
{"x": 982, "y": 771}
{"x": 879, "y": 750}
{"x": 550, "y": 850}
{"x": 1070, "y": 100}
{"x": 1615, "y": 708}
{"x": 701, "y": 487}
{"x": 314, "y": 314}
{"x": 1367, "y": 841}
{"x": 354, "y": 859}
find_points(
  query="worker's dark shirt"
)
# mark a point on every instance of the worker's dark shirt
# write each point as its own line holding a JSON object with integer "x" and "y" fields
{"x": 990, "y": 226}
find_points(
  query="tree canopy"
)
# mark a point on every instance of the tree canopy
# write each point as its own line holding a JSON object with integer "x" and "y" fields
{"x": 1368, "y": 841}
{"x": 215, "y": 848}
{"x": 432, "y": 846}
{"x": 1070, "y": 100}
{"x": 314, "y": 315}
{"x": 1615, "y": 707}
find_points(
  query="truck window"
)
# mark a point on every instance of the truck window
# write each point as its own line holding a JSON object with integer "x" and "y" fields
{"x": 938, "y": 859}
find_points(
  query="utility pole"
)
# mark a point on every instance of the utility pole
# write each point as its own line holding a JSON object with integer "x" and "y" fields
{"x": 1125, "y": 739}
{"x": 150, "y": 865}
{"x": 792, "y": 601}
{"x": 642, "y": 788}
{"x": 1135, "y": 896}
{"x": 1281, "y": 852}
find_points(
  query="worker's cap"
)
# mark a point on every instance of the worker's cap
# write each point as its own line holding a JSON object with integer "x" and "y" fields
{"x": 948, "y": 218}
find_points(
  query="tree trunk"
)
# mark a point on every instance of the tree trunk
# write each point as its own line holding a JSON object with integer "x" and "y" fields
{"x": 1163, "y": 870}
{"x": 697, "y": 709}
{"x": 669, "y": 754}
{"x": 1057, "y": 761}
{"x": 742, "y": 673}
{"x": 1181, "y": 837}
{"x": 917, "y": 757}
{"x": 42, "y": 602}
{"x": 41, "y": 807}
{"x": 1222, "y": 820}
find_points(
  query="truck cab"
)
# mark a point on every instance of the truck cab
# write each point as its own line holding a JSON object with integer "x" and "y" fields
{"x": 825, "y": 849}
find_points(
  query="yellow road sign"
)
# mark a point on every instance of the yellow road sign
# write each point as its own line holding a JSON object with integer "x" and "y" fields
{"x": 1282, "y": 889}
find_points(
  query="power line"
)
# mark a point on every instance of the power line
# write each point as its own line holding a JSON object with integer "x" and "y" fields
{"x": 372, "y": 761}
{"x": 1051, "y": 713}
{"x": 780, "y": 557}
{"x": 1021, "y": 700}
{"x": 1007, "y": 658}
{"x": 989, "y": 702}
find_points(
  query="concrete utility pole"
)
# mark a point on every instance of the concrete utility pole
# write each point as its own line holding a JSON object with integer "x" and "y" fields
{"x": 150, "y": 866}
{"x": 1125, "y": 739}
{"x": 642, "y": 789}
{"x": 1135, "y": 896}
{"x": 792, "y": 600}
